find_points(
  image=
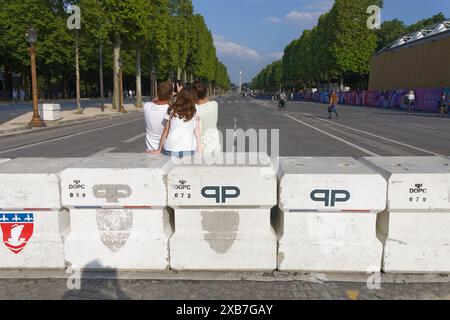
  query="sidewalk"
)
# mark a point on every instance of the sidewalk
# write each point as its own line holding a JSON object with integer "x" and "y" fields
{"x": 20, "y": 125}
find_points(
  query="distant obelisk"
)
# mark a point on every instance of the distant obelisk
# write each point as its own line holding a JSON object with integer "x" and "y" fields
{"x": 240, "y": 82}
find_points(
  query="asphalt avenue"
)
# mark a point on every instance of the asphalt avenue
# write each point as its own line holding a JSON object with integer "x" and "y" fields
{"x": 304, "y": 130}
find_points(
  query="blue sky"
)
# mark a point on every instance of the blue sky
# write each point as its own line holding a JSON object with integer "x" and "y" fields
{"x": 250, "y": 34}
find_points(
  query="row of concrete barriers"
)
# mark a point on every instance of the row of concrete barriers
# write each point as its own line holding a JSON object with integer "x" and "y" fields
{"x": 245, "y": 212}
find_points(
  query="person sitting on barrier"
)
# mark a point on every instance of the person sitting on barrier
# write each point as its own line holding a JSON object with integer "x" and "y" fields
{"x": 181, "y": 136}
{"x": 208, "y": 111}
{"x": 155, "y": 113}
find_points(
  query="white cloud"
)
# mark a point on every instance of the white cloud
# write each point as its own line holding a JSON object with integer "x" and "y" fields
{"x": 323, "y": 5}
{"x": 273, "y": 19}
{"x": 302, "y": 18}
{"x": 226, "y": 47}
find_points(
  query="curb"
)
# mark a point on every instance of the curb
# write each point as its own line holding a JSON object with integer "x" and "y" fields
{"x": 20, "y": 131}
{"x": 224, "y": 276}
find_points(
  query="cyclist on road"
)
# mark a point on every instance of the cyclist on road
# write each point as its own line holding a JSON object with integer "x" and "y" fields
{"x": 333, "y": 104}
{"x": 283, "y": 99}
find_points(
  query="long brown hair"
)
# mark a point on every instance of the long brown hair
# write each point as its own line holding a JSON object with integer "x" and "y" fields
{"x": 184, "y": 106}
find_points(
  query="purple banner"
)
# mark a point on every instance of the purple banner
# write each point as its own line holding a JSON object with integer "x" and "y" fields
{"x": 426, "y": 99}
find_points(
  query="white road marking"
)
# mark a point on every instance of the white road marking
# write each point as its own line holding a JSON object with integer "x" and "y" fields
{"x": 419, "y": 126}
{"x": 379, "y": 137}
{"x": 139, "y": 136}
{"x": 66, "y": 137}
{"x": 104, "y": 151}
{"x": 334, "y": 137}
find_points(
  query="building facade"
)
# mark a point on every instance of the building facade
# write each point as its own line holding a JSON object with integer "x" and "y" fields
{"x": 417, "y": 60}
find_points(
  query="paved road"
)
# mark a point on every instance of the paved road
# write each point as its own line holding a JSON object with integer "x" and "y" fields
{"x": 92, "y": 289}
{"x": 304, "y": 131}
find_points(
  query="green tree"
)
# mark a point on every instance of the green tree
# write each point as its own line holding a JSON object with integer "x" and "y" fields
{"x": 390, "y": 31}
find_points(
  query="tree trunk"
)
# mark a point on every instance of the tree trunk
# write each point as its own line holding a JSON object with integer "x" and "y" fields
{"x": 77, "y": 67}
{"x": 138, "y": 79}
{"x": 116, "y": 95}
{"x": 102, "y": 91}
{"x": 179, "y": 73}
{"x": 341, "y": 83}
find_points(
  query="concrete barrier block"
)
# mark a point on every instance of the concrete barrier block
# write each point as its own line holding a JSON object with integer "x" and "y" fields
{"x": 31, "y": 219}
{"x": 415, "y": 227}
{"x": 50, "y": 111}
{"x": 328, "y": 212}
{"x": 117, "y": 208}
{"x": 223, "y": 239}
{"x": 222, "y": 215}
{"x": 31, "y": 183}
{"x": 116, "y": 180}
{"x": 238, "y": 184}
{"x": 123, "y": 239}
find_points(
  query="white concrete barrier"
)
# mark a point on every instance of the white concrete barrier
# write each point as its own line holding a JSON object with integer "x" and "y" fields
{"x": 118, "y": 213}
{"x": 222, "y": 214}
{"x": 50, "y": 111}
{"x": 31, "y": 219}
{"x": 416, "y": 227}
{"x": 327, "y": 219}
{"x": 4, "y": 160}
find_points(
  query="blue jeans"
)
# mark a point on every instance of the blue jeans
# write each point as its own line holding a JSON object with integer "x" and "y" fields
{"x": 180, "y": 154}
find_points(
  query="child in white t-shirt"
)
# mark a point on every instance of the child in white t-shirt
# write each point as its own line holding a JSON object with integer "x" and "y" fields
{"x": 182, "y": 134}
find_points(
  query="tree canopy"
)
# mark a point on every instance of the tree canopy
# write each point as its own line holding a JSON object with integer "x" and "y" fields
{"x": 338, "y": 49}
{"x": 170, "y": 35}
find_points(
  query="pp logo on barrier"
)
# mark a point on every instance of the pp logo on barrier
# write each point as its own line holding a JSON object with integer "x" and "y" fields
{"x": 221, "y": 194}
{"x": 330, "y": 197}
{"x": 17, "y": 230}
{"x": 112, "y": 192}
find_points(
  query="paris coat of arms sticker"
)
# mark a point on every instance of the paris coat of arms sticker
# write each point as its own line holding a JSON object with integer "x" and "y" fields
{"x": 17, "y": 229}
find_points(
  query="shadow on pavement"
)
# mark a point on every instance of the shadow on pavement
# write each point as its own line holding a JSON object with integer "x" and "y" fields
{"x": 90, "y": 288}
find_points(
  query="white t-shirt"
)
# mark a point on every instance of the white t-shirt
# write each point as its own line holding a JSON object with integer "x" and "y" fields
{"x": 155, "y": 121}
{"x": 181, "y": 135}
{"x": 209, "y": 115}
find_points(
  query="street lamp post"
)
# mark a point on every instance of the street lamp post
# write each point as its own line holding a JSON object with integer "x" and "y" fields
{"x": 121, "y": 104}
{"x": 31, "y": 36}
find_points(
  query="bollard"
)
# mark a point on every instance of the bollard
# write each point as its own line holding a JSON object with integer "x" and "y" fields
{"x": 31, "y": 217}
{"x": 415, "y": 228}
{"x": 327, "y": 218}
{"x": 118, "y": 213}
{"x": 50, "y": 111}
{"x": 222, "y": 213}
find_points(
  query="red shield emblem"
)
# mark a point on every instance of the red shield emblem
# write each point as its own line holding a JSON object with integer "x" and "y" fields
{"x": 17, "y": 230}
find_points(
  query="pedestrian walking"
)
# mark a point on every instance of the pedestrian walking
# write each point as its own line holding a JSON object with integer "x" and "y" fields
{"x": 181, "y": 136}
{"x": 14, "y": 95}
{"x": 410, "y": 100}
{"x": 334, "y": 99}
{"x": 22, "y": 95}
{"x": 441, "y": 104}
